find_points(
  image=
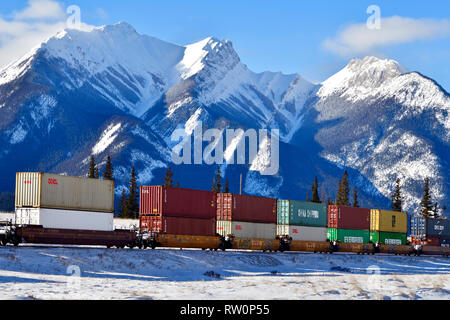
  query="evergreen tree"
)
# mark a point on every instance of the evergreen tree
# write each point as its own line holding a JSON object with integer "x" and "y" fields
{"x": 214, "y": 188}
{"x": 343, "y": 191}
{"x": 426, "y": 200}
{"x": 123, "y": 206}
{"x": 168, "y": 179}
{"x": 218, "y": 181}
{"x": 227, "y": 187}
{"x": 91, "y": 173}
{"x": 96, "y": 173}
{"x": 108, "y": 174}
{"x": 355, "y": 198}
{"x": 133, "y": 196}
{"x": 329, "y": 202}
{"x": 177, "y": 185}
{"x": 397, "y": 199}
{"x": 307, "y": 197}
{"x": 315, "y": 192}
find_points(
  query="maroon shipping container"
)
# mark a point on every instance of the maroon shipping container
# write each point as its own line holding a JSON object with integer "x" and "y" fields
{"x": 340, "y": 217}
{"x": 235, "y": 207}
{"x": 178, "y": 226}
{"x": 177, "y": 202}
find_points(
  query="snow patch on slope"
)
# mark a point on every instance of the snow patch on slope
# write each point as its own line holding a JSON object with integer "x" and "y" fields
{"x": 107, "y": 138}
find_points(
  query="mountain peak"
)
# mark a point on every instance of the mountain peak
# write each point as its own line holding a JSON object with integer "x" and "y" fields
{"x": 374, "y": 63}
{"x": 207, "y": 51}
{"x": 363, "y": 75}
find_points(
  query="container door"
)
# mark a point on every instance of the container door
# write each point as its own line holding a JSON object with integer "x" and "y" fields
{"x": 28, "y": 189}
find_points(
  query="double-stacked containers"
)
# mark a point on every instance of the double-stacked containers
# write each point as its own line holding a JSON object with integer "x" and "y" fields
{"x": 302, "y": 221}
{"x": 431, "y": 231}
{"x": 61, "y": 202}
{"x": 348, "y": 224}
{"x": 388, "y": 227}
{"x": 177, "y": 211}
{"x": 246, "y": 216}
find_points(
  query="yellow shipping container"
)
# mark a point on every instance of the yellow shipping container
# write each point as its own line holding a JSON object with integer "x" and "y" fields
{"x": 388, "y": 221}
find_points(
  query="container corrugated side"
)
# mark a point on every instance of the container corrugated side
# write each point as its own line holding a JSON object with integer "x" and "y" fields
{"x": 51, "y": 191}
{"x": 241, "y": 229}
{"x": 234, "y": 207}
{"x": 177, "y": 202}
{"x": 302, "y": 233}
{"x": 417, "y": 227}
{"x": 178, "y": 225}
{"x": 388, "y": 221}
{"x": 349, "y": 235}
{"x": 388, "y": 237}
{"x": 283, "y": 210}
{"x": 341, "y": 217}
{"x": 300, "y": 213}
{"x": 28, "y": 189}
{"x": 65, "y": 219}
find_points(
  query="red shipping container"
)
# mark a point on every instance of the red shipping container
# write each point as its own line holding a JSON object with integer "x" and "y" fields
{"x": 178, "y": 226}
{"x": 235, "y": 207}
{"x": 341, "y": 217}
{"x": 177, "y": 202}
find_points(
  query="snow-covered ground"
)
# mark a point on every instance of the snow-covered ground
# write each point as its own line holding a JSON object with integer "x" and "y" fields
{"x": 44, "y": 273}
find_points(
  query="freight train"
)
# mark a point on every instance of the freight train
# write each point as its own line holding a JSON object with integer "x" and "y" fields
{"x": 61, "y": 210}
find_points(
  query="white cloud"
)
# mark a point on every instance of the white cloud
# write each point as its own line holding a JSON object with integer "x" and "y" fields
{"x": 359, "y": 39}
{"x": 28, "y": 28}
{"x": 41, "y": 9}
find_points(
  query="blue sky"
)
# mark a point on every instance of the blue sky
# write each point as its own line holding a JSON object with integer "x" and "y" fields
{"x": 307, "y": 37}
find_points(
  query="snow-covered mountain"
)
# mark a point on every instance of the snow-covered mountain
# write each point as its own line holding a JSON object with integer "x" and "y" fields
{"x": 112, "y": 91}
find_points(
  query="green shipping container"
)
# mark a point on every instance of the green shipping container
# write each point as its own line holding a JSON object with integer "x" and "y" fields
{"x": 388, "y": 237}
{"x": 298, "y": 213}
{"x": 349, "y": 236}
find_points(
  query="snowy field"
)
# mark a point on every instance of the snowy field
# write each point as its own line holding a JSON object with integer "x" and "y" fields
{"x": 52, "y": 273}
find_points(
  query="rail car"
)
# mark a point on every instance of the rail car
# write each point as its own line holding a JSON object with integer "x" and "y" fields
{"x": 15, "y": 235}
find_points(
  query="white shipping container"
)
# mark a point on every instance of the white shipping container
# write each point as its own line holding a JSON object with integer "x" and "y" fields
{"x": 65, "y": 219}
{"x": 247, "y": 229}
{"x": 51, "y": 191}
{"x": 301, "y": 233}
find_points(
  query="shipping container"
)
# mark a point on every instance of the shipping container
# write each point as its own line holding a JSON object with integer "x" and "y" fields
{"x": 51, "y": 191}
{"x": 241, "y": 229}
{"x": 437, "y": 227}
{"x": 235, "y": 207}
{"x": 340, "y": 217}
{"x": 388, "y": 221}
{"x": 178, "y": 225}
{"x": 177, "y": 202}
{"x": 349, "y": 235}
{"x": 308, "y": 214}
{"x": 65, "y": 219}
{"x": 417, "y": 228}
{"x": 301, "y": 233}
{"x": 388, "y": 237}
